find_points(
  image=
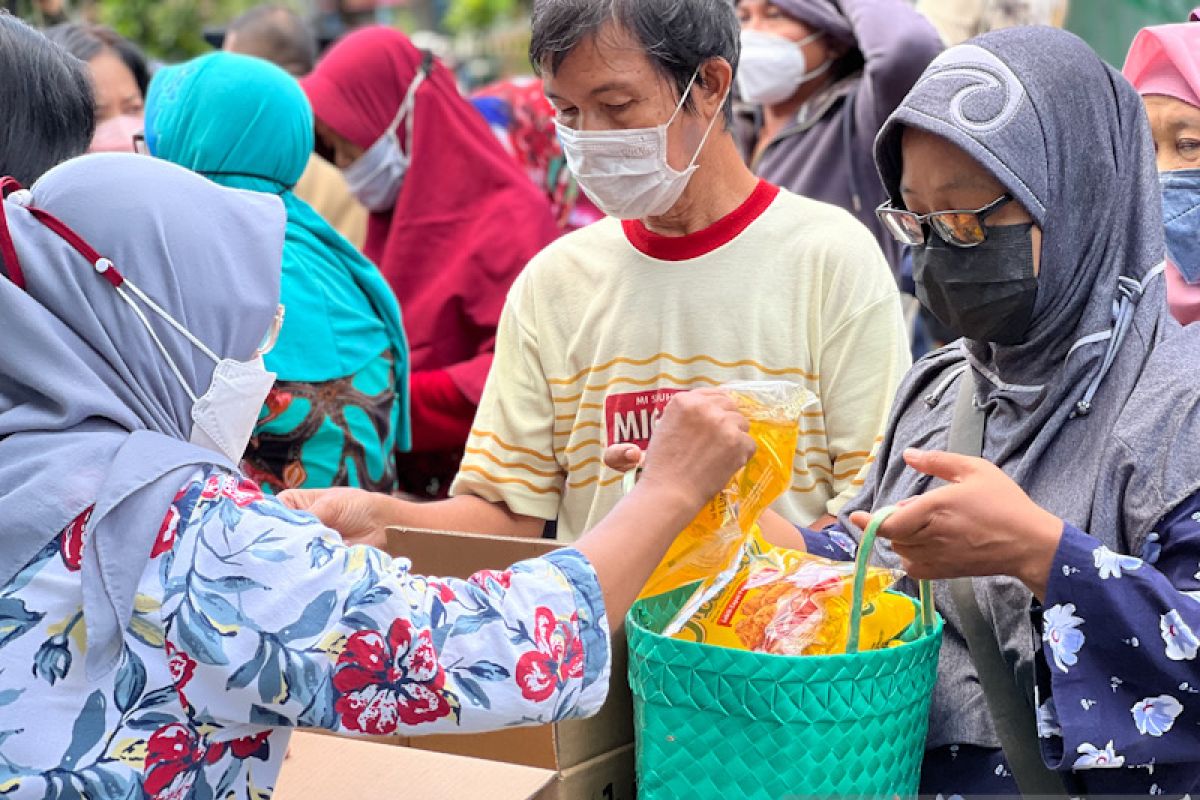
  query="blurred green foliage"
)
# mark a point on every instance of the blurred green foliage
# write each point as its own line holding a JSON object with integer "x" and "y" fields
{"x": 172, "y": 30}
{"x": 478, "y": 15}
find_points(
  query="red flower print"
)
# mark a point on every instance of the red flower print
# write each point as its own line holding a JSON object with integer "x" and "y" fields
{"x": 256, "y": 746}
{"x": 182, "y": 668}
{"x": 384, "y": 683}
{"x": 277, "y": 402}
{"x": 445, "y": 593}
{"x": 558, "y": 658}
{"x": 166, "y": 533}
{"x": 174, "y": 756}
{"x": 72, "y": 541}
{"x": 485, "y": 577}
{"x": 242, "y": 492}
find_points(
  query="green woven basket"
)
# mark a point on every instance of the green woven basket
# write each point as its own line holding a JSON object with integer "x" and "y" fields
{"x": 719, "y": 723}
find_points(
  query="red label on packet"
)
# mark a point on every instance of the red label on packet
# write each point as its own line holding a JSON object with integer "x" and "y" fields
{"x": 630, "y": 418}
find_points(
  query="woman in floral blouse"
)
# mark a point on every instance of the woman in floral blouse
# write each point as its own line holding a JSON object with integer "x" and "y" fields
{"x": 163, "y": 625}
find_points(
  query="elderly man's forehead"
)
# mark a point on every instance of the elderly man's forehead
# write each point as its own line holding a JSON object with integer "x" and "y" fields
{"x": 612, "y": 54}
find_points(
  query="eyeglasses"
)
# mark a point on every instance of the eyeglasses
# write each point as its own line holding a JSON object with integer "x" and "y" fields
{"x": 139, "y": 144}
{"x": 268, "y": 342}
{"x": 958, "y": 228}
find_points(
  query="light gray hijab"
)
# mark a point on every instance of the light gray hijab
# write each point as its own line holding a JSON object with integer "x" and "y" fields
{"x": 90, "y": 412}
{"x": 1067, "y": 136}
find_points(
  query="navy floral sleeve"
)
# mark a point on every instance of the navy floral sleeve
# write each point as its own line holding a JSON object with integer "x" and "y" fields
{"x": 1118, "y": 672}
{"x": 253, "y": 619}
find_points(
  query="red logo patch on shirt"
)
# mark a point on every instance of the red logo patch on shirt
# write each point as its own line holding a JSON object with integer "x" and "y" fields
{"x": 630, "y": 418}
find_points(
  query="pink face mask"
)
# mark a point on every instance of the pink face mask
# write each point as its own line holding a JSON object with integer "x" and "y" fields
{"x": 115, "y": 135}
{"x": 1182, "y": 297}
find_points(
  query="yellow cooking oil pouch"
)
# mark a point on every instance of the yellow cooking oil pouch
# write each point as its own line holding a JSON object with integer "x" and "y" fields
{"x": 713, "y": 543}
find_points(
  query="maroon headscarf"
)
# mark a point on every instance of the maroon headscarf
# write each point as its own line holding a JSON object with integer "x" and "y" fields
{"x": 467, "y": 219}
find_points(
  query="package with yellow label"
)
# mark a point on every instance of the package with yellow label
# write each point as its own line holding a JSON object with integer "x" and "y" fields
{"x": 791, "y": 603}
{"x": 714, "y": 542}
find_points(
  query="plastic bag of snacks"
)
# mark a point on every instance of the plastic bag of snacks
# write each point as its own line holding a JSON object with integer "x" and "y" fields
{"x": 786, "y": 602}
{"x": 713, "y": 543}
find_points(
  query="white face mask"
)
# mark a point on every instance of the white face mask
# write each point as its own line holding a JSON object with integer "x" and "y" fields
{"x": 223, "y": 418}
{"x": 625, "y": 172}
{"x": 772, "y": 68}
{"x": 377, "y": 176}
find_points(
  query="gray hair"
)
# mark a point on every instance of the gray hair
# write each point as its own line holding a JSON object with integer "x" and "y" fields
{"x": 678, "y": 36}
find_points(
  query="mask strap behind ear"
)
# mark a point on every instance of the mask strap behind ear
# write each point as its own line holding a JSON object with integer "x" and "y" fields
{"x": 409, "y": 103}
{"x": 158, "y": 343}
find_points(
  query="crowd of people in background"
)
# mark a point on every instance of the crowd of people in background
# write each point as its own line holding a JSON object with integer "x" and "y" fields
{"x": 264, "y": 304}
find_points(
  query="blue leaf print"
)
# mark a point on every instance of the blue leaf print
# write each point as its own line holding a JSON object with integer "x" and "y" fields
{"x": 198, "y": 636}
{"x": 320, "y": 552}
{"x": 219, "y": 610}
{"x": 159, "y": 697}
{"x": 15, "y": 619}
{"x": 101, "y": 783}
{"x": 313, "y": 620}
{"x": 473, "y": 691}
{"x": 22, "y": 578}
{"x": 233, "y": 583}
{"x": 303, "y": 676}
{"x": 151, "y": 722}
{"x": 10, "y": 696}
{"x": 268, "y": 718}
{"x": 270, "y": 679}
{"x": 229, "y": 514}
{"x": 366, "y": 583}
{"x": 89, "y": 728}
{"x": 359, "y": 621}
{"x": 225, "y": 785}
{"x": 471, "y": 623}
{"x": 131, "y": 682}
{"x": 277, "y": 510}
{"x": 270, "y": 554}
{"x": 488, "y": 671}
{"x": 247, "y": 672}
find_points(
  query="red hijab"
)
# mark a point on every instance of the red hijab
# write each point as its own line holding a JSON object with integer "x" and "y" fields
{"x": 467, "y": 219}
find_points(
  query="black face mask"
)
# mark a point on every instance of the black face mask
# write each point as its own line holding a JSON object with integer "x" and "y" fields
{"x": 986, "y": 293}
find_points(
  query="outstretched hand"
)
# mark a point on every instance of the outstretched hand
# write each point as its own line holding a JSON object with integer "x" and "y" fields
{"x": 980, "y": 524}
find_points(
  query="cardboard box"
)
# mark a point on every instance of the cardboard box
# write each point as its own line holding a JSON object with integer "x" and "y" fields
{"x": 592, "y": 758}
{"x": 331, "y": 768}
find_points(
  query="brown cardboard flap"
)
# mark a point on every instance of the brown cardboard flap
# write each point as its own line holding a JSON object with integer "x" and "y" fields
{"x": 531, "y": 747}
{"x": 444, "y": 554}
{"x": 611, "y": 776}
{"x": 329, "y": 768}
{"x": 581, "y": 740}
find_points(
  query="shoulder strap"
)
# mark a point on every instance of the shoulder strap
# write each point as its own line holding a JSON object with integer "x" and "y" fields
{"x": 1012, "y": 712}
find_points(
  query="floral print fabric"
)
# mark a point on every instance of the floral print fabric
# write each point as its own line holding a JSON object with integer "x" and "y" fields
{"x": 252, "y": 619}
{"x": 1118, "y": 673}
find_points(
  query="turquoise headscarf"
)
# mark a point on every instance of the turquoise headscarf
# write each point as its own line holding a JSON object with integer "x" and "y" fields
{"x": 245, "y": 123}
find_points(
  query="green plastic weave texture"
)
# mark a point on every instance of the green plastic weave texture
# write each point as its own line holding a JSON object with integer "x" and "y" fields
{"x": 714, "y": 722}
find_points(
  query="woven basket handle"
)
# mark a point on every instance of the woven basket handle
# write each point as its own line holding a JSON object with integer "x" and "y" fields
{"x": 865, "y": 547}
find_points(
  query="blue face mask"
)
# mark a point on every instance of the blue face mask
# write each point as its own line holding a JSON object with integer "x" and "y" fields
{"x": 1181, "y": 215}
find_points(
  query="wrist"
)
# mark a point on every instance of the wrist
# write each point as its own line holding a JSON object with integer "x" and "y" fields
{"x": 678, "y": 503}
{"x": 1044, "y": 537}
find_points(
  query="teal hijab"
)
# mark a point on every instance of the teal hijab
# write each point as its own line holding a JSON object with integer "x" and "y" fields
{"x": 245, "y": 123}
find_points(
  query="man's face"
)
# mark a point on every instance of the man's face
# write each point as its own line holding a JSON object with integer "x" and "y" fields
{"x": 608, "y": 83}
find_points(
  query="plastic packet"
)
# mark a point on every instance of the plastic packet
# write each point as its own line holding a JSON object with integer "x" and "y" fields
{"x": 713, "y": 543}
{"x": 786, "y": 602}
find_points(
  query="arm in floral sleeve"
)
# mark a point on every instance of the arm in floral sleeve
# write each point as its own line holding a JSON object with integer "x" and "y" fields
{"x": 275, "y": 622}
{"x": 1119, "y": 676}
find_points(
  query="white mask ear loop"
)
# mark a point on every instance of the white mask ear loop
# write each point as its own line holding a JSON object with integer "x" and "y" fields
{"x": 158, "y": 342}
{"x": 170, "y": 321}
{"x": 406, "y": 109}
{"x": 711, "y": 123}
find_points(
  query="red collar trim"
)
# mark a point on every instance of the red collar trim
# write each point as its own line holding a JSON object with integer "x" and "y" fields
{"x": 700, "y": 243}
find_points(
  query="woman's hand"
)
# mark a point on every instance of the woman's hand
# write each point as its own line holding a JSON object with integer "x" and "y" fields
{"x": 360, "y": 516}
{"x": 981, "y": 524}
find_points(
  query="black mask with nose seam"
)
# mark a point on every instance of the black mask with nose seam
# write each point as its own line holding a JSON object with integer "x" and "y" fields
{"x": 986, "y": 293}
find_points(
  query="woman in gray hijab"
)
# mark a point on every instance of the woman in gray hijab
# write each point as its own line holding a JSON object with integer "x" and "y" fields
{"x": 1070, "y": 404}
{"x": 163, "y": 625}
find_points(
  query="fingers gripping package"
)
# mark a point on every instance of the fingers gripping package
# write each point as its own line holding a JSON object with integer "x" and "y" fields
{"x": 750, "y": 595}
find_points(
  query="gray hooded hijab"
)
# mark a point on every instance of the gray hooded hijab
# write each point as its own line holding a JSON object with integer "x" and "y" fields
{"x": 1083, "y": 415}
{"x": 90, "y": 412}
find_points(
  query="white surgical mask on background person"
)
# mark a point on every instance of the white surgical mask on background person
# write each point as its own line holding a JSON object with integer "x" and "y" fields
{"x": 772, "y": 67}
{"x": 115, "y": 134}
{"x": 626, "y": 172}
{"x": 376, "y": 177}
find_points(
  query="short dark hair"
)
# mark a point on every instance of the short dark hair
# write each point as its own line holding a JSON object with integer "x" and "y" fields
{"x": 50, "y": 112}
{"x": 678, "y": 35}
{"x": 85, "y": 42}
{"x": 277, "y": 34}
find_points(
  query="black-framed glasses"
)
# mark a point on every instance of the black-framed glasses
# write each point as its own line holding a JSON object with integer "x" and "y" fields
{"x": 958, "y": 228}
{"x": 139, "y": 144}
